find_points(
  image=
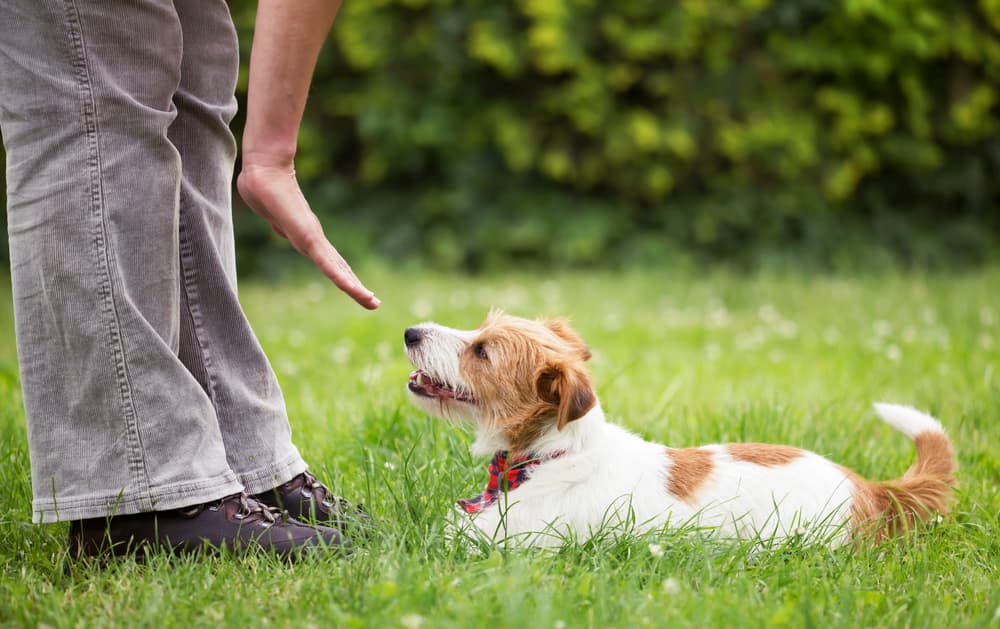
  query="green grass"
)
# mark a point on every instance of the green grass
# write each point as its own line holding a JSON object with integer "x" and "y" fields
{"x": 684, "y": 360}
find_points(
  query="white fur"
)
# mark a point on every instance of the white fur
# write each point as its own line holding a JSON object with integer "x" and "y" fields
{"x": 607, "y": 478}
{"x": 907, "y": 420}
{"x": 437, "y": 355}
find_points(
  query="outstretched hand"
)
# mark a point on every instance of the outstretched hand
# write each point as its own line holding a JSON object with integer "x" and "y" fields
{"x": 274, "y": 193}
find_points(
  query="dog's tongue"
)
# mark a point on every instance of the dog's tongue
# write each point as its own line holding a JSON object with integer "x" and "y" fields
{"x": 429, "y": 386}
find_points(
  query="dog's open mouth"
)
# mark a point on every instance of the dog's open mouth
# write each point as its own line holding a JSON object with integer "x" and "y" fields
{"x": 423, "y": 384}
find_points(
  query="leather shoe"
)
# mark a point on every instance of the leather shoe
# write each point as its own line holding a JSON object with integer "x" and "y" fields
{"x": 307, "y": 499}
{"x": 237, "y": 522}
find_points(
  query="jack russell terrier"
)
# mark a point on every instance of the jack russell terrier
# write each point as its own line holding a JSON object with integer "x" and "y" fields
{"x": 560, "y": 471}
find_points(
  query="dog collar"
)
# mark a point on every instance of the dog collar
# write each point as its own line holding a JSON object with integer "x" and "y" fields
{"x": 506, "y": 474}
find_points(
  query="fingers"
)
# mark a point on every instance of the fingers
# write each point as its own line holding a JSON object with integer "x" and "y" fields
{"x": 333, "y": 265}
{"x": 277, "y": 198}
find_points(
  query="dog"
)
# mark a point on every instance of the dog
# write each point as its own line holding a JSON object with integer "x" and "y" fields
{"x": 559, "y": 471}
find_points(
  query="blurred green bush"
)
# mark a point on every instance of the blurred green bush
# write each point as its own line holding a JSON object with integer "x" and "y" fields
{"x": 574, "y": 132}
{"x": 580, "y": 132}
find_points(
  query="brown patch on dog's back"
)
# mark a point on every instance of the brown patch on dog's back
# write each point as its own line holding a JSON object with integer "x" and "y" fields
{"x": 766, "y": 454}
{"x": 689, "y": 469}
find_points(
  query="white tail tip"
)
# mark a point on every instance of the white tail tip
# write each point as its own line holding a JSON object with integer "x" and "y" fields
{"x": 907, "y": 420}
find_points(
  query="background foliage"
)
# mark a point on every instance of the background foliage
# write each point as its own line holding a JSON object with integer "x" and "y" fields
{"x": 472, "y": 134}
{"x": 583, "y": 132}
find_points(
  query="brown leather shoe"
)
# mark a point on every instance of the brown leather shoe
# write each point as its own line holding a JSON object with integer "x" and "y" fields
{"x": 307, "y": 499}
{"x": 237, "y": 522}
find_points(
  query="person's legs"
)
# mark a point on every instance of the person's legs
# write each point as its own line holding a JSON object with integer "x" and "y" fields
{"x": 116, "y": 421}
{"x": 216, "y": 342}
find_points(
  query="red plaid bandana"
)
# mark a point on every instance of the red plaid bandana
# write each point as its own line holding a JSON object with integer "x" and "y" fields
{"x": 506, "y": 475}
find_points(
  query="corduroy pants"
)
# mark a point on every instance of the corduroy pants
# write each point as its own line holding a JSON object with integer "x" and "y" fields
{"x": 145, "y": 388}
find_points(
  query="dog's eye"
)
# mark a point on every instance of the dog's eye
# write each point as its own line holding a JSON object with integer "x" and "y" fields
{"x": 480, "y": 350}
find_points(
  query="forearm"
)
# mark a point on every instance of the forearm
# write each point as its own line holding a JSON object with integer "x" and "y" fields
{"x": 286, "y": 42}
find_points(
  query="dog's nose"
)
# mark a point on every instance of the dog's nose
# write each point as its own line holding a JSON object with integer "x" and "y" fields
{"x": 412, "y": 336}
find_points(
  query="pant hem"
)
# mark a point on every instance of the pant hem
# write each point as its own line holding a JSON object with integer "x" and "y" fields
{"x": 162, "y": 498}
{"x": 268, "y": 477}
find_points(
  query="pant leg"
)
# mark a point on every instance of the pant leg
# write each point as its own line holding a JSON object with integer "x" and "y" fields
{"x": 217, "y": 343}
{"x": 116, "y": 422}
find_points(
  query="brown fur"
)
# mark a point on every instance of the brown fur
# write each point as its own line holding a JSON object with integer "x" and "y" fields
{"x": 560, "y": 327}
{"x": 689, "y": 469}
{"x": 568, "y": 389}
{"x": 884, "y": 509}
{"x": 531, "y": 375}
{"x": 764, "y": 454}
{"x": 534, "y": 375}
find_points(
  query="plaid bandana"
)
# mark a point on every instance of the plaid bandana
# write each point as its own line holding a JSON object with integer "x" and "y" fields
{"x": 506, "y": 474}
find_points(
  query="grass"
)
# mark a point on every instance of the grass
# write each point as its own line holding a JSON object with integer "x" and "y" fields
{"x": 684, "y": 360}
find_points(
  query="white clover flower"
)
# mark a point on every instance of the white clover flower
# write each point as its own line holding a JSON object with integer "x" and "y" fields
{"x": 671, "y": 586}
{"x": 712, "y": 351}
{"x": 412, "y": 621}
{"x": 718, "y": 317}
{"x": 656, "y": 550}
{"x": 341, "y": 353}
{"x": 831, "y": 336}
{"x": 287, "y": 368}
{"x": 787, "y": 329}
{"x": 422, "y": 308}
{"x": 986, "y": 316}
{"x": 371, "y": 374}
{"x": 612, "y": 321}
{"x": 768, "y": 313}
{"x": 315, "y": 292}
{"x": 459, "y": 299}
{"x": 385, "y": 351}
{"x": 296, "y": 338}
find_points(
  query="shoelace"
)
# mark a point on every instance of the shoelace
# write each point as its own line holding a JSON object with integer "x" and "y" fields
{"x": 339, "y": 508}
{"x": 269, "y": 514}
{"x": 248, "y": 507}
{"x": 311, "y": 487}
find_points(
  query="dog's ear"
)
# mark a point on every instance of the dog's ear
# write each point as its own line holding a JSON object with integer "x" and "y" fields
{"x": 560, "y": 327}
{"x": 568, "y": 389}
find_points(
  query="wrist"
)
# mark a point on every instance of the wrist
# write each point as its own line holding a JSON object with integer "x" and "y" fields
{"x": 271, "y": 157}
{"x": 264, "y": 145}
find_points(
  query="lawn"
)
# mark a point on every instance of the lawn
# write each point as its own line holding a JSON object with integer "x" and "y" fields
{"x": 683, "y": 359}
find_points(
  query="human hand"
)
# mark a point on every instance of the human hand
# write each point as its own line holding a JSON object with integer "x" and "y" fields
{"x": 273, "y": 192}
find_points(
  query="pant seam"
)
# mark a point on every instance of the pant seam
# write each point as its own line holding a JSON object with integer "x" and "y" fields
{"x": 190, "y": 288}
{"x": 194, "y": 313}
{"x": 106, "y": 288}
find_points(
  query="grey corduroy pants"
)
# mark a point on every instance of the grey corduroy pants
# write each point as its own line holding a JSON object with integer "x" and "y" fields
{"x": 145, "y": 388}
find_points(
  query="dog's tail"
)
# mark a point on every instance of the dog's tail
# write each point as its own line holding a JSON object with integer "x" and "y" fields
{"x": 888, "y": 508}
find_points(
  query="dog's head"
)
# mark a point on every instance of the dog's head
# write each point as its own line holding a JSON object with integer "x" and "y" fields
{"x": 515, "y": 376}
